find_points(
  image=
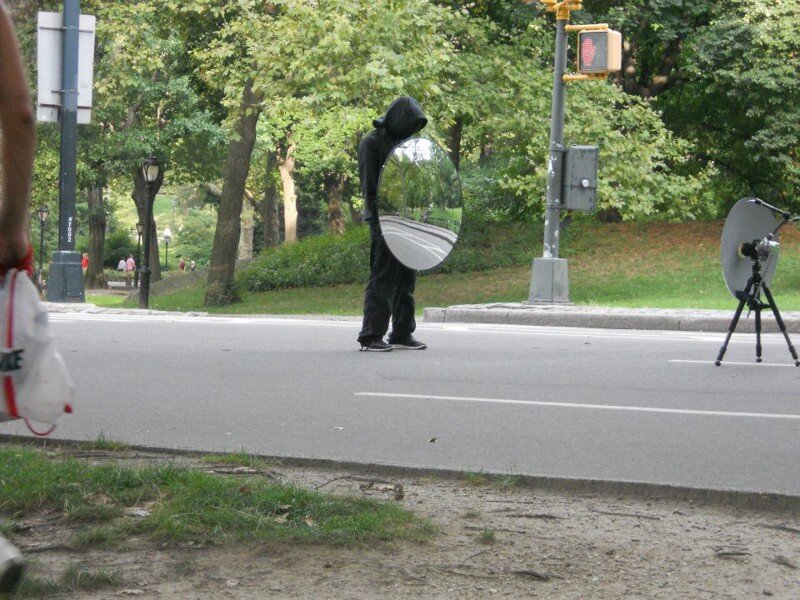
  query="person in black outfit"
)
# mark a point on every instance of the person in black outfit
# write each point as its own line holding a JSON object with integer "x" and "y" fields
{"x": 390, "y": 291}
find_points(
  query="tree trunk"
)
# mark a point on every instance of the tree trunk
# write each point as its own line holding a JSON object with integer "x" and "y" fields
{"x": 455, "y": 141}
{"x": 286, "y": 168}
{"x": 334, "y": 190}
{"x": 246, "y": 240}
{"x": 220, "y": 288}
{"x": 95, "y": 276}
{"x": 140, "y": 198}
{"x": 269, "y": 207}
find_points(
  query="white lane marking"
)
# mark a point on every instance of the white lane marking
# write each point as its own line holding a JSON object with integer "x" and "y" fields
{"x": 676, "y": 411}
{"x": 729, "y": 363}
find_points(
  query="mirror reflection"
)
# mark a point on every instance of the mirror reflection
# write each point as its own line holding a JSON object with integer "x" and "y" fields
{"x": 420, "y": 203}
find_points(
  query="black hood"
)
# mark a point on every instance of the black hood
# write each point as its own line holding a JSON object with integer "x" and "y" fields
{"x": 403, "y": 118}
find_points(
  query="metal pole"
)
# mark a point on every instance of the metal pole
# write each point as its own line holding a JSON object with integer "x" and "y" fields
{"x": 549, "y": 282}
{"x": 41, "y": 248}
{"x": 144, "y": 289}
{"x": 66, "y": 276}
{"x": 138, "y": 260}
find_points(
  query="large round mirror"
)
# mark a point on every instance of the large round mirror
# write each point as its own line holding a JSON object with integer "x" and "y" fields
{"x": 419, "y": 203}
{"x": 747, "y": 222}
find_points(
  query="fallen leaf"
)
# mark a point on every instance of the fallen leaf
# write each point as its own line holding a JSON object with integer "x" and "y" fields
{"x": 231, "y": 582}
{"x": 130, "y": 592}
{"x": 310, "y": 522}
{"x": 432, "y": 440}
{"x": 135, "y": 511}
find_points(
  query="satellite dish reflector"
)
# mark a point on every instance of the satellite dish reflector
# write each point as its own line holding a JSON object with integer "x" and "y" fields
{"x": 419, "y": 204}
{"x": 748, "y": 221}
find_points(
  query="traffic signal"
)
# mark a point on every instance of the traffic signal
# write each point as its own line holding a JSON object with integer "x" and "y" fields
{"x": 599, "y": 51}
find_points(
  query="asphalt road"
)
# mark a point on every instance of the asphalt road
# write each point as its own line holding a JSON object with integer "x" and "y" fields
{"x": 578, "y": 403}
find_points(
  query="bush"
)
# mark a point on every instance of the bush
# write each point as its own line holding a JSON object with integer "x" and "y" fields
{"x": 195, "y": 238}
{"x": 119, "y": 245}
{"x": 326, "y": 260}
{"x": 314, "y": 261}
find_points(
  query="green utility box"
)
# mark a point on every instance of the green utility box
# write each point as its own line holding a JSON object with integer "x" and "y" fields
{"x": 580, "y": 179}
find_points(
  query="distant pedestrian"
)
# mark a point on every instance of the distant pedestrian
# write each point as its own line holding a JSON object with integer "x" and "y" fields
{"x": 193, "y": 266}
{"x": 121, "y": 265}
{"x": 130, "y": 267}
{"x": 182, "y": 264}
{"x": 85, "y": 262}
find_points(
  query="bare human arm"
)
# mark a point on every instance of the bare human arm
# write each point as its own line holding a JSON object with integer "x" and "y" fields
{"x": 18, "y": 146}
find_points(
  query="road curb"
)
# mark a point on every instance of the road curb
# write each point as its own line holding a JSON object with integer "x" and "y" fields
{"x": 554, "y": 315}
{"x": 750, "y": 500}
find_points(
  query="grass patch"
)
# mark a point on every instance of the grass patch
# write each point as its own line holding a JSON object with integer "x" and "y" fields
{"x": 101, "y": 442}
{"x": 107, "y": 300}
{"x": 73, "y": 579}
{"x": 474, "y": 479}
{"x": 506, "y": 482}
{"x": 239, "y": 459}
{"x": 33, "y": 586}
{"x": 188, "y": 505}
{"x": 656, "y": 265}
{"x": 81, "y": 579}
{"x": 487, "y": 537}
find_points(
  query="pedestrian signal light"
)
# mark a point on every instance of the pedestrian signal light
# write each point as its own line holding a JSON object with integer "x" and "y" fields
{"x": 599, "y": 51}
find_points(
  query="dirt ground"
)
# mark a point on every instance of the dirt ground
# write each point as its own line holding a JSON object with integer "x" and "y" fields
{"x": 494, "y": 541}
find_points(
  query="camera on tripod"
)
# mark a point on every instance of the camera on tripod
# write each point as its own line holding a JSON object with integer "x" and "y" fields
{"x": 759, "y": 249}
{"x": 748, "y": 267}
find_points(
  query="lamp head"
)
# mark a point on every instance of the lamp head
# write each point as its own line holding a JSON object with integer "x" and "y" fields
{"x": 150, "y": 169}
{"x": 43, "y": 213}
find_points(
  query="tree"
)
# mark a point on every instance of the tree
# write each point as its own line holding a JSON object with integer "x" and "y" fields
{"x": 221, "y": 288}
{"x": 740, "y": 98}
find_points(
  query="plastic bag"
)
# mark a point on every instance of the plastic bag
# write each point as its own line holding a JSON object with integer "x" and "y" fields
{"x": 34, "y": 380}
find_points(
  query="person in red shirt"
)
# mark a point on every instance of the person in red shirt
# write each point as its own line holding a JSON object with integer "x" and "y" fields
{"x": 85, "y": 262}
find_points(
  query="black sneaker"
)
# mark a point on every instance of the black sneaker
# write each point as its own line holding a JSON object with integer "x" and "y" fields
{"x": 409, "y": 343}
{"x": 376, "y": 346}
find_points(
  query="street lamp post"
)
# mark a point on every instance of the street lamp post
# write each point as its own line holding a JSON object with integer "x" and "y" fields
{"x": 43, "y": 212}
{"x": 150, "y": 169}
{"x": 167, "y": 238}
{"x": 139, "y": 231}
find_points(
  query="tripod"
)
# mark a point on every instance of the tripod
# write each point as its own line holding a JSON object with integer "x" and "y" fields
{"x": 751, "y": 296}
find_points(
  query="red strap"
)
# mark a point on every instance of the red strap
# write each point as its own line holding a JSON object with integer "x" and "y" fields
{"x": 39, "y": 433}
{"x": 8, "y": 382}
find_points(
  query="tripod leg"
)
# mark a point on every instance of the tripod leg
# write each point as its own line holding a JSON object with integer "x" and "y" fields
{"x": 781, "y": 325}
{"x": 758, "y": 330}
{"x": 734, "y": 321}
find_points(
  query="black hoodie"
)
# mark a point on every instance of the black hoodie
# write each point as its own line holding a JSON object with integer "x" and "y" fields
{"x": 403, "y": 119}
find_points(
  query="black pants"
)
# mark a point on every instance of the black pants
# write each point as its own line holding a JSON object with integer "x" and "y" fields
{"x": 389, "y": 293}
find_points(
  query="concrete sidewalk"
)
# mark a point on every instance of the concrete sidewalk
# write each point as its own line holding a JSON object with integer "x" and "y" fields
{"x": 568, "y": 315}
{"x": 548, "y": 315}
